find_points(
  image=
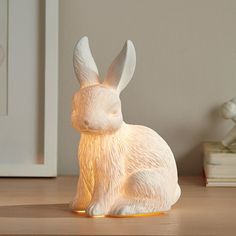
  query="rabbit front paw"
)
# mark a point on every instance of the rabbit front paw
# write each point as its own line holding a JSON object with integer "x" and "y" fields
{"x": 78, "y": 204}
{"x": 96, "y": 209}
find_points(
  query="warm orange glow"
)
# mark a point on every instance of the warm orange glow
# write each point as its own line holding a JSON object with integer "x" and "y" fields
{"x": 101, "y": 216}
{"x": 83, "y": 213}
{"x": 80, "y": 211}
{"x": 137, "y": 215}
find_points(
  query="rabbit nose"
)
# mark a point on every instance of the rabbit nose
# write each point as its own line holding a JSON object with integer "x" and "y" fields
{"x": 86, "y": 123}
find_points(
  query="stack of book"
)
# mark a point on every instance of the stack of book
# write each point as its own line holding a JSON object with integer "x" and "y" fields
{"x": 219, "y": 165}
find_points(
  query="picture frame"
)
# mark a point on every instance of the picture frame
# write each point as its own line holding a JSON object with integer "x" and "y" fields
{"x": 48, "y": 168}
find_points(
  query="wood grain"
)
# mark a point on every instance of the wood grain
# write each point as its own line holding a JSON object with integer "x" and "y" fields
{"x": 40, "y": 207}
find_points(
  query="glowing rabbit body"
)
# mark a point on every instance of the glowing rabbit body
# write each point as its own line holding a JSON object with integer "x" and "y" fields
{"x": 124, "y": 169}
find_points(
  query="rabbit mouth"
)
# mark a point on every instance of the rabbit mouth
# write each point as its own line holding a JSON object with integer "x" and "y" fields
{"x": 91, "y": 130}
{"x": 96, "y": 131}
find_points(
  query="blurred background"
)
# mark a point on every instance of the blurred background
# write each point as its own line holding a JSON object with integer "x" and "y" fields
{"x": 186, "y": 57}
{"x": 186, "y": 68}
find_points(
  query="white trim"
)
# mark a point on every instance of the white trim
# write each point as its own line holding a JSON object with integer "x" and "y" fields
{"x": 51, "y": 86}
{"x": 49, "y": 167}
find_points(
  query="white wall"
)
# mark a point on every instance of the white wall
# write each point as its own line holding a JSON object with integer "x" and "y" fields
{"x": 3, "y": 55}
{"x": 186, "y": 67}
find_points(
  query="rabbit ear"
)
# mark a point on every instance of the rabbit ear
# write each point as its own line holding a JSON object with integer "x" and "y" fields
{"x": 122, "y": 68}
{"x": 84, "y": 65}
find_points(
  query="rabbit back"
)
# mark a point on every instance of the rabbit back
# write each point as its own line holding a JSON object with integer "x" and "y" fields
{"x": 148, "y": 150}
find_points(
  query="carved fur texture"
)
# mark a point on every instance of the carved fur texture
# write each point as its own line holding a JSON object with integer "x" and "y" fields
{"x": 124, "y": 169}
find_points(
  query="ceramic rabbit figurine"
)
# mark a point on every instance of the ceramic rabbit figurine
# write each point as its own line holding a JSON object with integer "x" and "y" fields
{"x": 124, "y": 169}
{"x": 228, "y": 111}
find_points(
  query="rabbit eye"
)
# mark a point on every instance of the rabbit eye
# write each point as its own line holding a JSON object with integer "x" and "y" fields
{"x": 114, "y": 109}
{"x": 115, "y": 112}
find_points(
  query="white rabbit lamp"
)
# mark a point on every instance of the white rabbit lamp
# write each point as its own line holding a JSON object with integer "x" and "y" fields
{"x": 124, "y": 169}
{"x": 228, "y": 111}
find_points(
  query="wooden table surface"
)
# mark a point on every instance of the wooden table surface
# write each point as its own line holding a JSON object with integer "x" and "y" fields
{"x": 37, "y": 206}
